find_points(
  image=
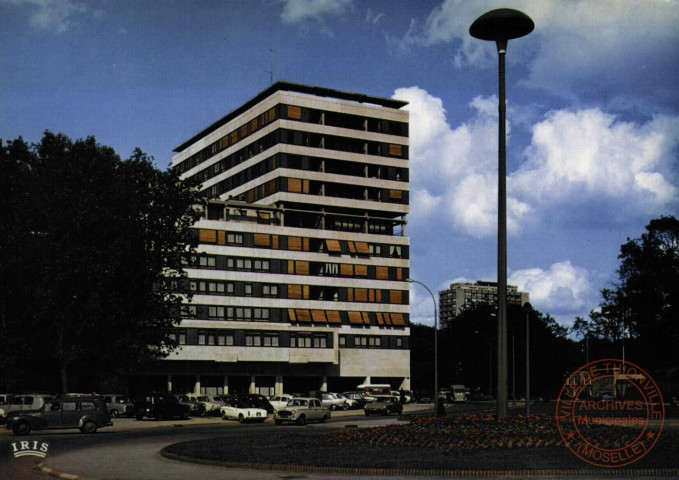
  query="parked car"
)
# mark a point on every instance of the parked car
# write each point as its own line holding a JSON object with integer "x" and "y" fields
{"x": 384, "y": 406}
{"x": 195, "y": 407}
{"x": 243, "y": 412}
{"x": 211, "y": 404}
{"x": 160, "y": 406}
{"x": 118, "y": 405}
{"x": 459, "y": 393}
{"x": 20, "y": 403}
{"x": 6, "y": 398}
{"x": 279, "y": 401}
{"x": 301, "y": 410}
{"x": 333, "y": 402}
{"x": 357, "y": 398}
{"x": 86, "y": 413}
{"x": 258, "y": 401}
{"x": 423, "y": 396}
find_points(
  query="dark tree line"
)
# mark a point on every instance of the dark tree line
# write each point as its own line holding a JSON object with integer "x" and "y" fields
{"x": 468, "y": 352}
{"x": 640, "y": 312}
{"x": 91, "y": 261}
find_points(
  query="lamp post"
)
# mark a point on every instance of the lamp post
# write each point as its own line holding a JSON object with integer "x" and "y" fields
{"x": 490, "y": 363}
{"x": 436, "y": 344}
{"x": 528, "y": 308}
{"x": 500, "y": 26}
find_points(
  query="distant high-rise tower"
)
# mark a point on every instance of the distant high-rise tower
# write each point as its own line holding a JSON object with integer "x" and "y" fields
{"x": 462, "y": 295}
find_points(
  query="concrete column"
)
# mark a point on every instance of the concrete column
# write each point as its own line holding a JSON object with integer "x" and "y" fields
{"x": 196, "y": 387}
{"x": 226, "y": 385}
{"x": 324, "y": 383}
{"x": 278, "y": 389}
{"x": 253, "y": 385}
{"x": 405, "y": 384}
{"x": 366, "y": 380}
{"x": 169, "y": 383}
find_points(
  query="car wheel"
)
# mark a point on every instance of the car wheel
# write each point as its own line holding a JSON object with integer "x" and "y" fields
{"x": 278, "y": 422}
{"x": 21, "y": 428}
{"x": 114, "y": 413}
{"x": 139, "y": 417}
{"x": 345, "y": 407}
{"x": 324, "y": 419}
{"x": 89, "y": 427}
{"x": 241, "y": 418}
{"x": 301, "y": 420}
{"x": 224, "y": 416}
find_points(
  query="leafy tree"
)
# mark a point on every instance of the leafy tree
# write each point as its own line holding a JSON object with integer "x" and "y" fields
{"x": 643, "y": 306}
{"x": 471, "y": 350}
{"x": 99, "y": 245}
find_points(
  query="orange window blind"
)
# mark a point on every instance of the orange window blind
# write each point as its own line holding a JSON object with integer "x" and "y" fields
{"x": 294, "y": 112}
{"x": 395, "y": 150}
{"x": 395, "y": 296}
{"x": 355, "y": 318}
{"x": 207, "y": 236}
{"x": 333, "y": 316}
{"x": 333, "y": 246}
{"x": 318, "y": 316}
{"x": 362, "y": 248}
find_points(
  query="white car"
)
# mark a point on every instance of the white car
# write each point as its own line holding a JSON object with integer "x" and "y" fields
{"x": 279, "y": 401}
{"x": 243, "y": 413}
{"x": 211, "y": 404}
{"x": 301, "y": 410}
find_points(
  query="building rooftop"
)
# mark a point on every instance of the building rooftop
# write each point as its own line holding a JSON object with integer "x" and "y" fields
{"x": 293, "y": 87}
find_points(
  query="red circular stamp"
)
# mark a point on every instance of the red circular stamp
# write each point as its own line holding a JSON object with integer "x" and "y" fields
{"x": 610, "y": 413}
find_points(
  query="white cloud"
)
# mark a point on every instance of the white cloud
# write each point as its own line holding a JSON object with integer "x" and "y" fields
{"x": 564, "y": 288}
{"x": 299, "y": 10}
{"x": 576, "y": 156}
{"x": 456, "y": 169}
{"x": 54, "y": 15}
{"x": 612, "y": 49}
{"x": 575, "y": 159}
{"x": 372, "y": 17}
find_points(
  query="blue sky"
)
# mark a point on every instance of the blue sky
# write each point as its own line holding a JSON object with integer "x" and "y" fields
{"x": 593, "y": 111}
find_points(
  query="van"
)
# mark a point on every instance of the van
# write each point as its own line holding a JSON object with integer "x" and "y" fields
{"x": 85, "y": 413}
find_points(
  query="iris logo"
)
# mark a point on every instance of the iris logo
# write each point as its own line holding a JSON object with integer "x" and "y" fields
{"x": 34, "y": 448}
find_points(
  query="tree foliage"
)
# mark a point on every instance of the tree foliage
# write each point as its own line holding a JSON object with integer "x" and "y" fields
{"x": 642, "y": 308}
{"x": 468, "y": 350}
{"x": 91, "y": 258}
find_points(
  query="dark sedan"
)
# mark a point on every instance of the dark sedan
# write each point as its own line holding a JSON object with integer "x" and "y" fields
{"x": 384, "y": 406}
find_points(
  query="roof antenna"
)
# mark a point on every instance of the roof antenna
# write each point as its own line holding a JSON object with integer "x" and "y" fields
{"x": 271, "y": 69}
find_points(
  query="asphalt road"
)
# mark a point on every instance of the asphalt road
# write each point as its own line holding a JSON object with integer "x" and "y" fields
{"x": 131, "y": 450}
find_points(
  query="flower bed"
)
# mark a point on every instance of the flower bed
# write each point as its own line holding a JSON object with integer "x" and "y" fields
{"x": 464, "y": 433}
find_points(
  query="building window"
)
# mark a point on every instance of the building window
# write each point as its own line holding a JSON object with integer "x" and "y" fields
{"x": 182, "y": 337}
{"x": 201, "y": 337}
{"x": 248, "y": 289}
{"x": 342, "y": 341}
{"x": 207, "y": 262}
{"x": 269, "y": 290}
{"x": 399, "y": 342}
{"x": 270, "y": 340}
{"x": 215, "y": 312}
{"x": 234, "y": 238}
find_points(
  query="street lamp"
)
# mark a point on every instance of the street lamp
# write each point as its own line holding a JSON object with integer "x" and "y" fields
{"x": 500, "y": 26}
{"x": 436, "y": 344}
{"x": 490, "y": 363}
{"x": 528, "y": 308}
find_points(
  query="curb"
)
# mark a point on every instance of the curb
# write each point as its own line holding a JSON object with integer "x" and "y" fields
{"x": 632, "y": 473}
{"x": 55, "y": 473}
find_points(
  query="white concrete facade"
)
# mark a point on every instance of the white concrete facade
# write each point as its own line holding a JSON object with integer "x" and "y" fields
{"x": 303, "y": 258}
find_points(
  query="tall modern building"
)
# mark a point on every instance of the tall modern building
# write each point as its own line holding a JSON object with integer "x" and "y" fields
{"x": 300, "y": 279}
{"x": 462, "y": 295}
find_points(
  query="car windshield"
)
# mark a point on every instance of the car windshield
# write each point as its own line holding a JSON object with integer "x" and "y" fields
{"x": 297, "y": 402}
{"x": 121, "y": 400}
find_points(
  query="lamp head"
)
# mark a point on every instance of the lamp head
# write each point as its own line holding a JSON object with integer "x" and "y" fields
{"x": 501, "y": 25}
